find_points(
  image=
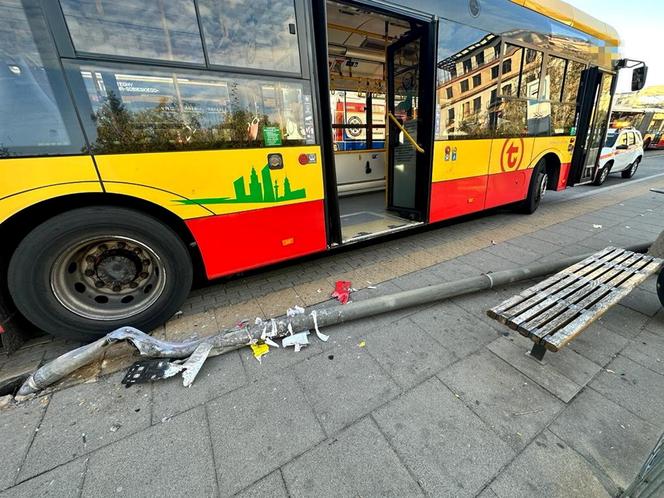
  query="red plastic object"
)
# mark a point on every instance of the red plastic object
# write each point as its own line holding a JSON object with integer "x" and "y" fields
{"x": 341, "y": 291}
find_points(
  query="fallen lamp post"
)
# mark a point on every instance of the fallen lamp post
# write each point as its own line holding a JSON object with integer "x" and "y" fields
{"x": 232, "y": 339}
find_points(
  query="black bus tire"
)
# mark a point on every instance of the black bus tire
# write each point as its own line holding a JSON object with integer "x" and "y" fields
{"x": 88, "y": 271}
{"x": 536, "y": 189}
{"x": 660, "y": 286}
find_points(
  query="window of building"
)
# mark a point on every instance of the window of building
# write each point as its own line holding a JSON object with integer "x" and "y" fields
{"x": 507, "y": 66}
{"x": 453, "y": 72}
{"x": 507, "y": 90}
{"x": 479, "y": 58}
{"x": 258, "y": 34}
{"x": 464, "y": 86}
{"x": 143, "y": 110}
{"x": 450, "y": 115}
{"x": 449, "y": 92}
{"x": 466, "y": 109}
{"x": 531, "y": 72}
{"x": 477, "y": 80}
{"x": 158, "y": 29}
{"x": 36, "y": 114}
{"x": 572, "y": 81}
{"x": 494, "y": 96}
{"x": 477, "y": 104}
{"x": 555, "y": 75}
{"x": 467, "y": 65}
{"x": 495, "y": 70}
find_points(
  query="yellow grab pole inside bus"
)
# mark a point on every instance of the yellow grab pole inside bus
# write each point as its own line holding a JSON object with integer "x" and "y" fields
{"x": 406, "y": 134}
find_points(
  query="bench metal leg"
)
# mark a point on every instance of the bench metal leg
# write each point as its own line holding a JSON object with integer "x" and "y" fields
{"x": 538, "y": 351}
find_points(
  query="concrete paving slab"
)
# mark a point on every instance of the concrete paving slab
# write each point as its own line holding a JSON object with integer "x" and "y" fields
{"x": 449, "y": 271}
{"x": 270, "y": 486}
{"x": 647, "y": 350}
{"x": 450, "y": 451}
{"x": 82, "y": 419}
{"x": 511, "y": 404}
{"x": 65, "y": 481}
{"x": 408, "y": 353}
{"x": 258, "y": 428}
{"x": 458, "y": 331}
{"x": 624, "y": 321}
{"x": 169, "y": 459}
{"x": 656, "y": 324}
{"x": 356, "y": 462}
{"x": 598, "y": 344}
{"x": 548, "y": 467}
{"x": 217, "y": 376}
{"x": 513, "y": 351}
{"x": 485, "y": 261}
{"x": 572, "y": 365}
{"x": 607, "y": 435}
{"x": 17, "y": 429}
{"x": 642, "y": 301}
{"x": 344, "y": 384}
{"x": 634, "y": 387}
{"x": 515, "y": 254}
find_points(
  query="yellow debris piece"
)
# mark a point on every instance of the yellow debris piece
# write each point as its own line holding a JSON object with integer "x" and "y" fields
{"x": 260, "y": 349}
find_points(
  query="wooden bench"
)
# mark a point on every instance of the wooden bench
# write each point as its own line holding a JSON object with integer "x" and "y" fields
{"x": 555, "y": 311}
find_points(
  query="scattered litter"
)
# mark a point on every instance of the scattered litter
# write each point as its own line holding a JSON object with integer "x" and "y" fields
{"x": 242, "y": 323}
{"x": 319, "y": 334}
{"x": 165, "y": 419}
{"x": 516, "y": 414}
{"x": 178, "y": 314}
{"x": 258, "y": 320}
{"x": 319, "y": 290}
{"x": 342, "y": 291}
{"x": 297, "y": 340}
{"x": 493, "y": 242}
{"x": 194, "y": 363}
{"x": 260, "y": 350}
{"x": 372, "y": 287}
{"x": 597, "y": 226}
{"x": 115, "y": 427}
{"x": 294, "y": 311}
{"x": 362, "y": 344}
{"x": 271, "y": 343}
{"x": 627, "y": 227}
{"x": 610, "y": 371}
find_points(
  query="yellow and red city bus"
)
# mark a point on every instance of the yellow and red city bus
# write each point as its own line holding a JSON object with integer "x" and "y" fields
{"x": 650, "y": 122}
{"x": 142, "y": 142}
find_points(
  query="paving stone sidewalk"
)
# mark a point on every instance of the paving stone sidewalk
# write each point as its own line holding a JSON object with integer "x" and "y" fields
{"x": 437, "y": 400}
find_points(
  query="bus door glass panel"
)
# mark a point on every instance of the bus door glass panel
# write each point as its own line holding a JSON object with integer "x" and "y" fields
{"x": 598, "y": 127}
{"x": 403, "y": 100}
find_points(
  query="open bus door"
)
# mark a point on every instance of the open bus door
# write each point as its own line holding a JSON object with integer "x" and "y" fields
{"x": 410, "y": 91}
{"x": 593, "y": 110}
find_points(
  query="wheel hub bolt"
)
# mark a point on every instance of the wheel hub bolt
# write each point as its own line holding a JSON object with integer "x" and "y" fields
{"x": 146, "y": 262}
{"x": 143, "y": 274}
{"x": 117, "y": 288}
{"x": 103, "y": 247}
{"x": 133, "y": 285}
{"x": 122, "y": 245}
{"x": 99, "y": 284}
{"x": 90, "y": 259}
{"x": 89, "y": 273}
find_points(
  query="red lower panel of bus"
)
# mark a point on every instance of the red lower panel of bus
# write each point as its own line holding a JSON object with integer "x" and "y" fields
{"x": 564, "y": 176}
{"x": 235, "y": 242}
{"x": 453, "y": 198}
{"x": 505, "y": 188}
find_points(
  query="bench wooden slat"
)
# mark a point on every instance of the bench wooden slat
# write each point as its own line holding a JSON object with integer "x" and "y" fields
{"x": 562, "y": 337}
{"x": 497, "y": 311}
{"x": 552, "y": 305}
{"x": 535, "y": 295}
{"x": 583, "y": 298}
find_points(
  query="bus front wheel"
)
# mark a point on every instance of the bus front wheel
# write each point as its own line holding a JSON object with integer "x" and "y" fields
{"x": 536, "y": 190}
{"x": 86, "y": 272}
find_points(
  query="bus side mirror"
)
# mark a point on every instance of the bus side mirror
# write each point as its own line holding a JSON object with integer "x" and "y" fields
{"x": 639, "y": 76}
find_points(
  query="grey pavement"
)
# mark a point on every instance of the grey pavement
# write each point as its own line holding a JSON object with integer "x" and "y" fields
{"x": 438, "y": 400}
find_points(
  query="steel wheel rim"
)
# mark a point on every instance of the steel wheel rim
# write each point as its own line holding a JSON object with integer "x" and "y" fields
{"x": 110, "y": 277}
{"x": 605, "y": 173}
{"x": 542, "y": 187}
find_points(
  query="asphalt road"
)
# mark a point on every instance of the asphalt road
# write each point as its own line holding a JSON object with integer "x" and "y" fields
{"x": 651, "y": 167}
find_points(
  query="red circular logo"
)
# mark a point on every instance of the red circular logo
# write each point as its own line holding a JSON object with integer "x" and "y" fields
{"x": 512, "y": 154}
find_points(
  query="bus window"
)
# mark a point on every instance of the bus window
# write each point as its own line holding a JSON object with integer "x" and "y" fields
{"x": 158, "y": 29}
{"x": 555, "y": 74}
{"x": 152, "y": 111}
{"x": 258, "y": 34}
{"x": 530, "y": 74}
{"x": 572, "y": 81}
{"x": 36, "y": 116}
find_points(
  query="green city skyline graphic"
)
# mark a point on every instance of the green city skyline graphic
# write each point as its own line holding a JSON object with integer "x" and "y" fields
{"x": 265, "y": 191}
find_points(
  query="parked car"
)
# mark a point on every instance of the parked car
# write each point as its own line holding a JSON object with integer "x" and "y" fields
{"x": 622, "y": 153}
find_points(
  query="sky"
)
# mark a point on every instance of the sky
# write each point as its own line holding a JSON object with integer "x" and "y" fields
{"x": 639, "y": 23}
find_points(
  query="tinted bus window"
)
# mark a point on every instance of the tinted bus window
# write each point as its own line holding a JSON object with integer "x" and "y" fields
{"x": 555, "y": 75}
{"x": 136, "y": 110}
{"x": 155, "y": 29}
{"x": 572, "y": 81}
{"x": 530, "y": 74}
{"x": 257, "y": 34}
{"x": 36, "y": 117}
